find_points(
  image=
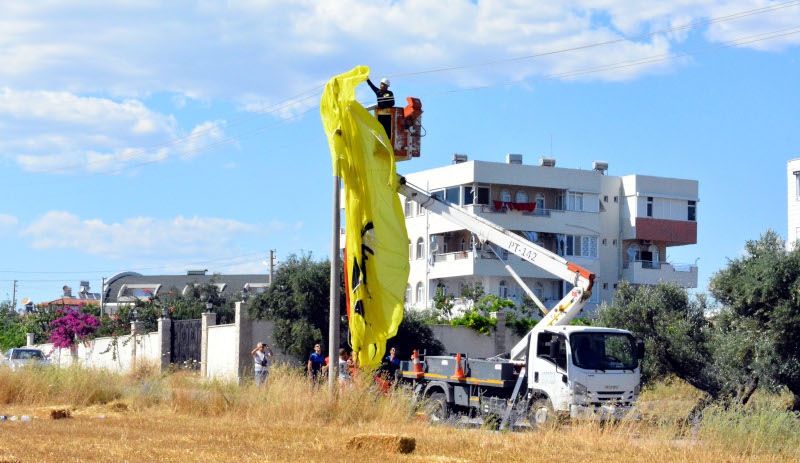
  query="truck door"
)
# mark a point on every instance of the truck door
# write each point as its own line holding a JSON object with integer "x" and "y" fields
{"x": 549, "y": 362}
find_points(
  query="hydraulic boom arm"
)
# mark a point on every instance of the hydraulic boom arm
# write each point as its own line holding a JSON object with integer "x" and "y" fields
{"x": 488, "y": 232}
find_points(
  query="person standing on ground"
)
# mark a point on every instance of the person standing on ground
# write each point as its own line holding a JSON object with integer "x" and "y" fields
{"x": 316, "y": 363}
{"x": 262, "y": 355}
{"x": 344, "y": 369}
{"x": 391, "y": 363}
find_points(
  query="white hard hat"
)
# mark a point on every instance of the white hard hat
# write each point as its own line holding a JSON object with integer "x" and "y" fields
{"x": 386, "y": 81}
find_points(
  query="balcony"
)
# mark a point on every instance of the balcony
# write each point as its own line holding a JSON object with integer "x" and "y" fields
{"x": 642, "y": 272}
{"x": 482, "y": 263}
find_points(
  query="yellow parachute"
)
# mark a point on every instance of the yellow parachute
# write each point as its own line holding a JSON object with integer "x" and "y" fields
{"x": 376, "y": 257}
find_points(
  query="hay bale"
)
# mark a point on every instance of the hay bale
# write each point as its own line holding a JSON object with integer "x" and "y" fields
{"x": 59, "y": 414}
{"x": 387, "y": 443}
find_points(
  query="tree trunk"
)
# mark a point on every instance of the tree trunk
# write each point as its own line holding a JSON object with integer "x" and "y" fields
{"x": 747, "y": 391}
{"x": 796, "y": 403}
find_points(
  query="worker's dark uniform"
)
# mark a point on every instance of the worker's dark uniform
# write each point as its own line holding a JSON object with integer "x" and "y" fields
{"x": 385, "y": 97}
{"x": 385, "y": 100}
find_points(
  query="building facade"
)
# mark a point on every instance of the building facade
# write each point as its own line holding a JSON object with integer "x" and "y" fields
{"x": 793, "y": 182}
{"x": 125, "y": 288}
{"x": 620, "y": 228}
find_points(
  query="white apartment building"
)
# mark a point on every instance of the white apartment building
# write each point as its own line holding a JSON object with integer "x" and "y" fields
{"x": 618, "y": 227}
{"x": 793, "y": 181}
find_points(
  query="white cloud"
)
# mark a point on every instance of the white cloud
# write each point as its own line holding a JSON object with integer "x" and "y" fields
{"x": 59, "y": 132}
{"x": 268, "y": 50}
{"x": 8, "y": 223}
{"x": 138, "y": 237}
{"x": 77, "y": 74}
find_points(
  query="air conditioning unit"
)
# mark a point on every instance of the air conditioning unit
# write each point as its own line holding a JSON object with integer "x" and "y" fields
{"x": 547, "y": 162}
{"x": 459, "y": 158}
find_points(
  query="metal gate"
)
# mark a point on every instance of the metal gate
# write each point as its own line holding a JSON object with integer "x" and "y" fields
{"x": 185, "y": 348}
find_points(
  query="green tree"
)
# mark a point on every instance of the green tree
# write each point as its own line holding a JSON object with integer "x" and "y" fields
{"x": 760, "y": 295}
{"x": 298, "y": 303}
{"x": 675, "y": 331}
{"x": 12, "y": 333}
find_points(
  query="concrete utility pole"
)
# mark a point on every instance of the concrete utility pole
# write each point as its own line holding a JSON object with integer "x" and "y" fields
{"x": 333, "y": 318}
{"x": 14, "y": 296}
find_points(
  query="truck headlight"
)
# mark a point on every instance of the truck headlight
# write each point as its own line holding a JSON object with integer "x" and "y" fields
{"x": 579, "y": 389}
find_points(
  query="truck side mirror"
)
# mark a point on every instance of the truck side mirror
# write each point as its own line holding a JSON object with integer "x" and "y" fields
{"x": 639, "y": 349}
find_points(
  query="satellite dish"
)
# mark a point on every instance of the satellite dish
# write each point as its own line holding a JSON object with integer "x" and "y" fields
{"x": 25, "y": 301}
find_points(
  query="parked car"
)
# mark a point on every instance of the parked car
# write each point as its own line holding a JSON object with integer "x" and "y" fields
{"x": 24, "y": 356}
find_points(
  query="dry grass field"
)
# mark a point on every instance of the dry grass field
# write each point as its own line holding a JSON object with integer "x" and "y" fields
{"x": 147, "y": 417}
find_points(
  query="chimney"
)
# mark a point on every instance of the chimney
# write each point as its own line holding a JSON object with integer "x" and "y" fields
{"x": 67, "y": 291}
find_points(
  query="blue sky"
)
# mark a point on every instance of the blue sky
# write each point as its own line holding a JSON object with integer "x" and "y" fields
{"x": 162, "y": 136}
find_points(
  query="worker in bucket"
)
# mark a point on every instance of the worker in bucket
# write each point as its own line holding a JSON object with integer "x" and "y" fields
{"x": 385, "y": 100}
{"x": 385, "y": 96}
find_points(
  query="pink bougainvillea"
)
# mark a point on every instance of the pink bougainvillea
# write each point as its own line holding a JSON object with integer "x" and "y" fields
{"x": 71, "y": 326}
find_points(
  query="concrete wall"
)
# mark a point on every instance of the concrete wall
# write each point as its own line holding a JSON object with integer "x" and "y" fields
{"x": 120, "y": 354}
{"x": 221, "y": 342}
{"x": 468, "y": 341}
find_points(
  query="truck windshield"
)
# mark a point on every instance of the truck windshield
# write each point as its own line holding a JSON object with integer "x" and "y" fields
{"x": 603, "y": 351}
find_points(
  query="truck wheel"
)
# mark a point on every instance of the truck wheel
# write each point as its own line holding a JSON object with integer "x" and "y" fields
{"x": 542, "y": 415}
{"x": 438, "y": 409}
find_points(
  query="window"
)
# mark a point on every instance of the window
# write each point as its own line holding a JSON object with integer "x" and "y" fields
{"x": 552, "y": 347}
{"x": 438, "y": 194}
{"x": 581, "y": 246}
{"x": 420, "y": 293}
{"x": 538, "y": 290}
{"x": 505, "y": 196}
{"x": 634, "y": 253}
{"x": 797, "y": 183}
{"x": 483, "y": 195}
{"x": 522, "y": 197}
{"x": 605, "y": 198}
{"x": 605, "y": 241}
{"x": 613, "y": 242}
{"x": 692, "y": 215}
{"x": 407, "y": 209}
{"x": 616, "y": 199}
{"x": 408, "y": 294}
{"x": 574, "y": 201}
{"x": 453, "y": 195}
{"x": 561, "y": 201}
{"x": 420, "y": 249}
{"x": 539, "y": 202}
{"x": 605, "y": 286}
{"x": 469, "y": 195}
{"x": 503, "y": 290}
{"x": 410, "y": 251}
{"x": 420, "y": 209}
{"x": 649, "y": 206}
{"x": 463, "y": 245}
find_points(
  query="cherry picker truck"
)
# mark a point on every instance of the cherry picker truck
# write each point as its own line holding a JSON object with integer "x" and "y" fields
{"x": 555, "y": 371}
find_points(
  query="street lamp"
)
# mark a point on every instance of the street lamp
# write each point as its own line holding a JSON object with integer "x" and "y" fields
{"x": 164, "y": 312}
{"x": 209, "y": 307}
{"x": 135, "y": 315}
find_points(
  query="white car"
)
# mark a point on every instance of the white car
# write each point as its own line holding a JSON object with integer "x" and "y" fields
{"x": 24, "y": 356}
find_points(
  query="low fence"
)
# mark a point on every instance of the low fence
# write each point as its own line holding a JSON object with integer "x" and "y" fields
{"x": 225, "y": 349}
{"x": 112, "y": 353}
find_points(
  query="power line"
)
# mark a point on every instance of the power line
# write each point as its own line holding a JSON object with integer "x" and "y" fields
{"x": 609, "y": 42}
{"x": 303, "y": 96}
